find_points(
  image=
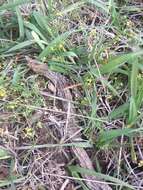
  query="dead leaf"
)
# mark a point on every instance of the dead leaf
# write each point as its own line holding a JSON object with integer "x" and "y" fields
{"x": 4, "y": 172}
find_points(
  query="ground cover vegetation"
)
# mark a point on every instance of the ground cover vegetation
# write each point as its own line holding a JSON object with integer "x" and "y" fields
{"x": 71, "y": 94}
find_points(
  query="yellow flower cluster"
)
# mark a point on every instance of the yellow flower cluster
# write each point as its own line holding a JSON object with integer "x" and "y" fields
{"x": 93, "y": 32}
{"x": 2, "y": 93}
{"x": 59, "y": 13}
{"x": 140, "y": 164}
{"x": 29, "y": 132}
{"x": 12, "y": 105}
{"x": 58, "y": 47}
{"x": 130, "y": 24}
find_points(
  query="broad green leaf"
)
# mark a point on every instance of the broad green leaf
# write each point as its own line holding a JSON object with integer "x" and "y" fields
{"x": 86, "y": 171}
{"x": 107, "y": 137}
{"x": 77, "y": 176}
{"x": 116, "y": 62}
{"x": 119, "y": 112}
{"x": 122, "y": 71}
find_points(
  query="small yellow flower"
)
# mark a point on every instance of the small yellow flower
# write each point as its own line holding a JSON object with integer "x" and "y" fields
{"x": 29, "y": 132}
{"x": 130, "y": 24}
{"x": 12, "y": 105}
{"x": 59, "y": 14}
{"x": 131, "y": 33}
{"x": 2, "y": 93}
{"x": 93, "y": 32}
{"x": 129, "y": 126}
{"x": 39, "y": 125}
{"x": 140, "y": 164}
{"x": 51, "y": 48}
{"x": 84, "y": 101}
{"x": 61, "y": 47}
{"x": 88, "y": 81}
{"x": 121, "y": 84}
{"x": 110, "y": 97}
{"x": 55, "y": 59}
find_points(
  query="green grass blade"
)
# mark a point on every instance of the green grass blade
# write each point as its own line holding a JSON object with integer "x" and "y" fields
{"x": 17, "y": 76}
{"x": 110, "y": 87}
{"x": 4, "y": 183}
{"x": 78, "y": 144}
{"x": 132, "y": 8}
{"x": 58, "y": 40}
{"x": 134, "y": 75}
{"x": 72, "y": 7}
{"x": 20, "y": 46}
{"x": 86, "y": 171}
{"x": 99, "y": 4}
{"x": 20, "y": 23}
{"x": 139, "y": 98}
{"x": 105, "y": 82}
{"x": 114, "y": 14}
{"x": 35, "y": 29}
{"x": 43, "y": 23}
{"x": 68, "y": 54}
{"x": 119, "y": 112}
{"x": 133, "y": 107}
{"x": 37, "y": 40}
{"x": 132, "y": 111}
{"x": 50, "y": 6}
